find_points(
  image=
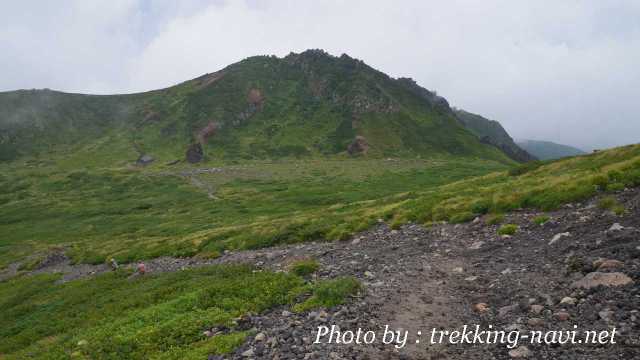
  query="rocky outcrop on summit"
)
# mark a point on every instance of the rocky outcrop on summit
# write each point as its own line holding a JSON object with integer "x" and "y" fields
{"x": 256, "y": 108}
{"x": 432, "y": 98}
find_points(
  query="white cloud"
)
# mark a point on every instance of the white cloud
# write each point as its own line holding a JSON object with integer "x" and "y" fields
{"x": 563, "y": 71}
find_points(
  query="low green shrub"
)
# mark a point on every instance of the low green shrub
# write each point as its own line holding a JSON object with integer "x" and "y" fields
{"x": 330, "y": 293}
{"x": 494, "y": 219}
{"x": 525, "y": 168}
{"x": 616, "y": 186}
{"x": 462, "y": 218}
{"x": 508, "y": 229}
{"x": 304, "y": 267}
{"x": 612, "y": 204}
{"x": 541, "y": 219}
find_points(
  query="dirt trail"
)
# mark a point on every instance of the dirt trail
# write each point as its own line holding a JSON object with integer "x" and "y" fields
{"x": 418, "y": 279}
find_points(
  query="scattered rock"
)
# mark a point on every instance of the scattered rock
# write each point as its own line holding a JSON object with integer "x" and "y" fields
{"x": 595, "y": 279}
{"x": 145, "y": 160}
{"x": 558, "y": 237}
{"x": 536, "y": 309}
{"x": 260, "y": 337}
{"x": 481, "y": 307}
{"x": 248, "y": 353}
{"x": 562, "y": 316}
{"x": 476, "y": 245}
{"x": 535, "y": 322}
{"x": 616, "y": 227}
{"x": 520, "y": 352}
{"x": 503, "y": 311}
{"x": 359, "y": 145}
{"x": 195, "y": 153}
{"x": 606, "y": 315}
{"x": 609, "y": 264}
{"x": 568, "y": 301}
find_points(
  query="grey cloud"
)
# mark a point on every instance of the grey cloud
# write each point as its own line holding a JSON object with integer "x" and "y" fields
{"x": 562, "y": 71}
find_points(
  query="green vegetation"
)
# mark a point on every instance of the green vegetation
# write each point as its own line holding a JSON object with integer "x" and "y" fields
{"x": 330, "y": 293}
{"x": 163, "y": 316}
{"x": 547, "y": 150}
{"x": 134, "y": 214}
{"x": 306, "y": 105}
{"x": 304, "y": 267}
{"x": 508, "y": 229}
{"x": 546, "y": 187}
{"x": 541, "y": 219}
{"x": 275, "y": 169}
{"x": 525, "y": 168}
{"x": 495, "y": 219}
{"x": 96, "y": 214}
{"x": 612, "y": 204}
{"x": 491, "y": 132}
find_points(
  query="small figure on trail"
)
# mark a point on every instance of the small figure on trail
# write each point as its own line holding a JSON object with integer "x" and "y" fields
{"x": 114, "y": 264}
{"x": 142, "y": 268}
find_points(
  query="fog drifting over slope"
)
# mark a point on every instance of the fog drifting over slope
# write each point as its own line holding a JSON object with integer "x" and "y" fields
{"x": 560, "y": 71}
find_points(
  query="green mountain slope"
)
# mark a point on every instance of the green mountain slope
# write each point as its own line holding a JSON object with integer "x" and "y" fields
{"x": 302, "y": 105}
{"x": 547, "y": 150}
{"x": 491, "y": 132}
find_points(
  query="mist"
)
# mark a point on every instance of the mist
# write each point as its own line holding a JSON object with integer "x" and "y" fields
{"x": 564, "y": 72}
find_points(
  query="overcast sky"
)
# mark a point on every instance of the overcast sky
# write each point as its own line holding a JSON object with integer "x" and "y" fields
{"x": 566, "y": 71}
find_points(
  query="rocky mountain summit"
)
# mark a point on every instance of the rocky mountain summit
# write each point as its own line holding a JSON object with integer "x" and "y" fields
{"x": 305, "y": 104}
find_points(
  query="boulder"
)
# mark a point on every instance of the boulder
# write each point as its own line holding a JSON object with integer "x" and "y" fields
{"x": 520, "y": 352}
{"x": 558, "y": 237}
{"x": 596, "y": 279}
{"x": 359, "y": 145}
{"x": 195, "y": 153}
{"x": 537, "y": 309}
{"x": 144, "y": 160}
{"x": 481, "y": 307}
{"x": 610, "y": 264}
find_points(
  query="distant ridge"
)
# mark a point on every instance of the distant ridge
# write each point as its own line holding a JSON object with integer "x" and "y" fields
{"x": 547, "y": 150}
{"x": 491, "y": 132}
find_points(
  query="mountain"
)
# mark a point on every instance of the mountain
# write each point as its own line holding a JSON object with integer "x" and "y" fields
{"x": 301, "y": 105}
{"x": 491, "y": 132}
{"x": 545, "y": 150}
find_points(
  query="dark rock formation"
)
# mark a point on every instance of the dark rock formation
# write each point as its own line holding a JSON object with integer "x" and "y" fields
{"x": 195, "y": 153}
{"x": 359, "y": 145}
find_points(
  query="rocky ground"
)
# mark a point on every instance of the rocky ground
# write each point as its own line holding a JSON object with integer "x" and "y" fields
{"x": 581, "y": 268}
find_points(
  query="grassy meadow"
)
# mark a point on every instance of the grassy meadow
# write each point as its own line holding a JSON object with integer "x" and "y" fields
{"x": 163, "y": 316}
{"x": 132, "y": 214}
{"x": 135, "y": 213}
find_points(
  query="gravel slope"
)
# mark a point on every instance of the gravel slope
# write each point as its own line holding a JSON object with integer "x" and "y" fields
{"x": 448, "y": 275}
